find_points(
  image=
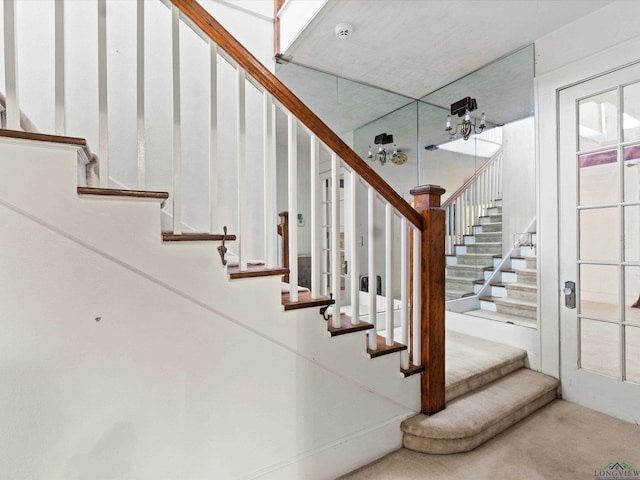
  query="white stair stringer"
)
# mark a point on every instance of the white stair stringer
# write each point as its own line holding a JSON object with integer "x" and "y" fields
{"x": 125, "y": 235}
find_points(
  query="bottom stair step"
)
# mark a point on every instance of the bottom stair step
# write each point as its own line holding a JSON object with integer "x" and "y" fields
{"x": 480, "y": 415}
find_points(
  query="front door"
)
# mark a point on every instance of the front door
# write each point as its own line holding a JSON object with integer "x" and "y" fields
{"x": 600, "y": 242}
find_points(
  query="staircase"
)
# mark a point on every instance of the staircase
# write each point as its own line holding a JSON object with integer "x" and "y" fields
{"x": 488, "y": 389}
{"x": 513, "y": 292}
{"x": 205, "y": 343}
{"x": 467, "y": 263}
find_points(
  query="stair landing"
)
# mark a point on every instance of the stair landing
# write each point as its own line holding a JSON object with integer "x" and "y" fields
{"x": 487, "y": 390}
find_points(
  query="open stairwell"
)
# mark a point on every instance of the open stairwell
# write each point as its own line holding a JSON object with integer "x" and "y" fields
{"x": 512, "y": 296}
{"x": 488, "y": 389}
{"x": 467, "y": 263}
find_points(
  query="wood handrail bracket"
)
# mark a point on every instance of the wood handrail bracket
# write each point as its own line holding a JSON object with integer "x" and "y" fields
{"x": 216, "y": 32}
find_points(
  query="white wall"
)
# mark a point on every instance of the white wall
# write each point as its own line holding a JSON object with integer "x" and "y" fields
{"x": 182, "y": 377}
{"x": 518, "y": 182}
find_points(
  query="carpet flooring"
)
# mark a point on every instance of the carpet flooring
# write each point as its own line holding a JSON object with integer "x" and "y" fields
{"x": 562, "y": 441}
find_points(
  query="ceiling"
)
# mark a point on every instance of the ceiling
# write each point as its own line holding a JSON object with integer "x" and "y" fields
{"x": 414, "y": 47}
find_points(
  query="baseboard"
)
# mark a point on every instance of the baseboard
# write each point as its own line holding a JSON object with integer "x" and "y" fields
{"x": 340, "y": 456}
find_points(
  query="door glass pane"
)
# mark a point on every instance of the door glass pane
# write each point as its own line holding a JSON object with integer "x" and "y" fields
{"x": 632, "y": 345}
{"x": 632, "y": 233}
{"x": 599, "y": 347}
{"x": 632, "y": 294}
{"x": 631, "y": 113}
{"x": 599, "y": 291}
{"x": 598, "y": 177}
{"x": 599, "y": 236}
{"x": 598, "y": 121}
{"x": 632, "y": 173}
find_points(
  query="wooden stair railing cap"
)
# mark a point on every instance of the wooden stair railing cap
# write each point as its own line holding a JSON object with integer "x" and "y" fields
{"x": 200, "y": 17}
{"x": 427, "y": 195}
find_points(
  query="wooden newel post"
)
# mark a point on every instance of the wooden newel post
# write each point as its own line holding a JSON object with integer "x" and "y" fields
{"x": 427, "y": 203}
{"x": 283, "y": 231}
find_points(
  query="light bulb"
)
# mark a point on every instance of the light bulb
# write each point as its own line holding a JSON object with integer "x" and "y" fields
{"x": 370, "y": 154}
{"x": 448, "y": 122}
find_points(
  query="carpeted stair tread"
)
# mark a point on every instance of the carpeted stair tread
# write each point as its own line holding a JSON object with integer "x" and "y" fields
{"x": 503, "y": 317}
{"x": 514, "y": 303}
{"x": 472, "y": 362}
{"x": 475, "y": 418}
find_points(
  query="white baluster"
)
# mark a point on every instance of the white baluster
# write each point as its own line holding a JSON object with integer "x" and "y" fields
{"x": 177, "y": 131}
{"x": 335, "y": 239}
{"x": 12, "y": 104}
{"x": 417, "y": 290}
{"x": 404, "y": 291}
{"x": 354, "y": 267}
{"x": 373, "y": 314}
{"x": 241, "y": 150}
{"x": 315, "y": 218}
{"x": 270, "y": 214}
{"x": 60, "y": 112}
{"x": 213, "y": 136}
{"x": 389, "y": 271}
{"x": 103, "y": 114}
{"x": 293, "y": 207}
{"x": 140, "y": 127}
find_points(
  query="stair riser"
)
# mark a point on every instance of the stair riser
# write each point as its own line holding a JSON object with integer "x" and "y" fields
{"x": 532, "y": 263}
{"x": 499, "y": 292}
{"x": 451, "y": 260}
{"x": 502, "y": 277}
{"x": 494, "y": 211}
{"x": 488, "y": 306}
{"x": 469, "y": 385}
{"x": 518, "y": 263}
{"x": 459, "y": 445}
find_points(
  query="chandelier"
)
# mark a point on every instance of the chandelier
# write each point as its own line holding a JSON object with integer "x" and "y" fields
{"x": 463, "y": 108}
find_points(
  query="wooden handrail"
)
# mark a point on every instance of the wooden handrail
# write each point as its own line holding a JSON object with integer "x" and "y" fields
{"x": 216, "y": 32}
{"x": 466, "y": 184}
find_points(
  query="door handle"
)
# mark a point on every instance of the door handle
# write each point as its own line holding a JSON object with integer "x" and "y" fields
{"x": 569, "y": 294}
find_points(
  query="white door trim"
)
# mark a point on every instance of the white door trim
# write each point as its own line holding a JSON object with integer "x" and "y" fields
{"x": 547, "y": 88}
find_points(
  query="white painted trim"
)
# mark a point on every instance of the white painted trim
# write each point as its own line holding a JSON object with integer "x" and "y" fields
{"x": 177, "y": 131}
{"x": 546, "y": 91}
{"x": 140, "y": 99}
{"x": 60, "y": 104}
{"x": 12, "y": 102}
{"x": 103, "y": 91}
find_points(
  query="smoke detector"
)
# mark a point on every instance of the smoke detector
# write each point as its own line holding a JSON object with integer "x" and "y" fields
{"x": 343, "y": 30}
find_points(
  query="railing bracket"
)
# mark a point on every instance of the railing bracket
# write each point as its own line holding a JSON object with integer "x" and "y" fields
{"x": 323, "y": 310}
{"x": 222, "y": 250}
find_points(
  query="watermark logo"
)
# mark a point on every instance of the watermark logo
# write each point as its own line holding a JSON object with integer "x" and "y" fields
{"x": 617, "y": 470}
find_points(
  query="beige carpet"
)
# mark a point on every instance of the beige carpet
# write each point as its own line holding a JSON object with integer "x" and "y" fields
{"x": 562, "y": 441}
